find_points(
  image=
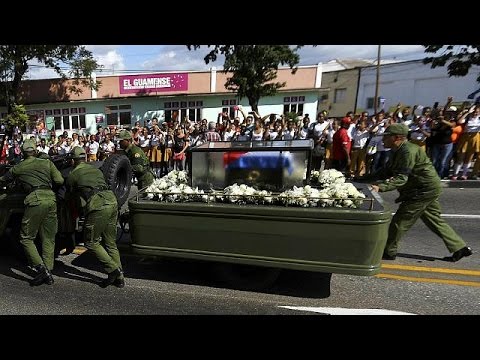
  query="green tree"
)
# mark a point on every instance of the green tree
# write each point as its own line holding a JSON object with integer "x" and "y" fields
{"x": 460, "y": 58}
{"x": 254, "y": 68}
{"x": 17, "y": 117}
{"x": 14, "y": 64}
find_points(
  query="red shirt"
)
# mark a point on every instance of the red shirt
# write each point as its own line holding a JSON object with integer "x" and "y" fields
{"x": 340, "y": 139}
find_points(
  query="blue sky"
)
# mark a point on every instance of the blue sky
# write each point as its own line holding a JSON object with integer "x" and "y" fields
{"x": 121, "y": 59}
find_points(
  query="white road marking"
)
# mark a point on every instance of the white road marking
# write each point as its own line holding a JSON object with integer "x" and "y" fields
{"x": 461, "y": 216}
{"x": 346, "y": 311}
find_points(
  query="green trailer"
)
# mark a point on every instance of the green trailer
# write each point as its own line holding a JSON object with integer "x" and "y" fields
{"x": 255, "y": 242}
{"x": 327, "y": 240}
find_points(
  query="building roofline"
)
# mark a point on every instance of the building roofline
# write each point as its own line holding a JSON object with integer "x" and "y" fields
{"x": 394, "y": 63}
{"x": 169, "y": 96}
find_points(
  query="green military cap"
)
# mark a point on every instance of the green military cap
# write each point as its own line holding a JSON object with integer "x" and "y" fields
{"x": 125, "y": 135}
{"x": 78, "y": 153}
{"x": 29, "y": 145}
{"x": 396, "y": 129}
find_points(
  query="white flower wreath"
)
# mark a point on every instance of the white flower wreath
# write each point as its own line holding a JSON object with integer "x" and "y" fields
{"x": 334, "y": 192}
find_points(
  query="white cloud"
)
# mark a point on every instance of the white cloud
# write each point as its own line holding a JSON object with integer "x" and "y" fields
{"x": 310, "y": 55}
{"x": 111, "y": 60}
{"x": 178, "y": 57}
{"x": 40, "y": 72}
{"x": 106, "y": 55}
{"x": 100, "y": 50}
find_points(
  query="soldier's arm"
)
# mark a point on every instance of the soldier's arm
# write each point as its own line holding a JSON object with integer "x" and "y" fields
{"x": 8, "y": 177}
{"x": 137, "y": 163}
{"x": 373, "y": 177}
{"x": 401, "y": 169}
{"x": 56, "y": 175}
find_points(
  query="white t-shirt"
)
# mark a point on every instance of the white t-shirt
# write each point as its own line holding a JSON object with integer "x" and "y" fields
{"x": 109, "y": 148}
{"x": 93, "y": 147}
{"x": 473, "y": 125}
{"x": 319, "y": 128}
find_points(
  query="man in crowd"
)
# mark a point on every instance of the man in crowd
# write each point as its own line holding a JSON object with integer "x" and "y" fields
{"x": 341, "y": 147}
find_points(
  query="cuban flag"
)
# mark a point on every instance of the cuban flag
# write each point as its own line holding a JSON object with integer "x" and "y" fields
{"x": 258, "y": 160}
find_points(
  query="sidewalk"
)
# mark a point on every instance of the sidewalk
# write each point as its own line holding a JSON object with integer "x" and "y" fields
{"x": 461, "y": 183}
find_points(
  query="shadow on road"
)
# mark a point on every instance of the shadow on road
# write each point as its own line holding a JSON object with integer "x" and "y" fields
{"x": 290, "y": 283}
{"x": 10, "y": 263}
{"x": 70, "y": 272}
{"x": 424, "y": 257}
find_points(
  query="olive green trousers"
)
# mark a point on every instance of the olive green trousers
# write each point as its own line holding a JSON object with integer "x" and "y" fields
{"x": 429, "y": 211}
{"x": 102, "y": 224}
{"x": 39, "y": 219}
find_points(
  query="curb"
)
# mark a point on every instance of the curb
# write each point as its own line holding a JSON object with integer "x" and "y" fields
{"x": 460, "y": 183}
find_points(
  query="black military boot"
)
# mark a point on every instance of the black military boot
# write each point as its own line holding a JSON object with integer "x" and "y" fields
{"x": 116, "y": 274}
{"x": 44, "y": 276}
{"x": 119, "y": 282}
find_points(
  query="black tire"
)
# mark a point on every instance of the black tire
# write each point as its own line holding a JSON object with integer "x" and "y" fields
{"x": 118, "y": 175}
{"x": 246, "y": 277}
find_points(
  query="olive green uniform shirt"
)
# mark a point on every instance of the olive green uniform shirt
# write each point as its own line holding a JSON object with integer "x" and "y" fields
{"x": 36, "y": 177}
{"x": 101, "y": 210}
{"x": 411, "y": 172}
{"x": 140, "y": 165}
{"x": 88, "y": 183}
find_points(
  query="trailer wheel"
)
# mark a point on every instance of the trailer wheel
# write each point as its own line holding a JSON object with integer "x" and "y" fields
{"x": 246, "y": 277}
{"x": 118, "y": 175}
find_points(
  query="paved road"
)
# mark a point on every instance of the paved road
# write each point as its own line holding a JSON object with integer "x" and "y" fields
{"x": 418, "y": 282}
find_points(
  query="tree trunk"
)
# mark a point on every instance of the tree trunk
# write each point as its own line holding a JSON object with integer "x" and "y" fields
{"x": 19, "y": 71}
{"x": 253, "y": 102}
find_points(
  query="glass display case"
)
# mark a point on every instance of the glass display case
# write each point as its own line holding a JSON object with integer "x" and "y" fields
{"x": 266, "y": 165}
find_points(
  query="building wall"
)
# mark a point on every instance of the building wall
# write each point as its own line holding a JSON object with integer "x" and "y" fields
{"x": 51, "y": 90}
{"x": 53, "y": 94}
{"x": 304, "y": 78}
{"x": 335, "y": 80}
{"x": 145, "y": 108}
{"x": 413, "y": 83}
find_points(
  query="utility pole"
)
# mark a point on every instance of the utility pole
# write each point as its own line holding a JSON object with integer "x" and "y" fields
{"x": 375, "y": 104}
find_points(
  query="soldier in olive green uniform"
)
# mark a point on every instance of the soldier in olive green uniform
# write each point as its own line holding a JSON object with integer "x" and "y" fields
{"x": 139, "y": 161}
{"x": 88, "y": 185}
{"x": 411, "y": 172}
{"x": 42, "y": 155}
{"x": 36, "y": 176}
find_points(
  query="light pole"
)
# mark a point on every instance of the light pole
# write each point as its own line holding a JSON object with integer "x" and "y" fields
{"x": 375, "y": 105}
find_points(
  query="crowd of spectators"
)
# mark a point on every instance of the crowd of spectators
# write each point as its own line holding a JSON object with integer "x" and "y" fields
{"x": 353, "y": 144}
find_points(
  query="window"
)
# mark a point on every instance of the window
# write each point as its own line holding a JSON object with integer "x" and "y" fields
{"x": 72, "y": 119}
{"x": 57, "y": 119}
{"x": 340, "y": 95}
{"x": 65, "y": 119}
{"x": 119, "y": 115}
{"x": 370, "y": 103}
{"x": 230, "y": 106}
{"x": 78, "y": 118}
{"x": 293, "y": 104}
{"x": 190, "y": 109}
